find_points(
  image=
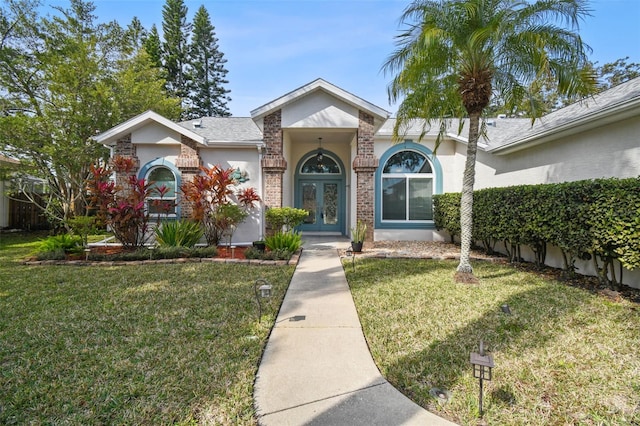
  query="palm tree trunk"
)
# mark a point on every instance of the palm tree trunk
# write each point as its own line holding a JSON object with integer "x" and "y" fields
{"x": 466, "y": 200}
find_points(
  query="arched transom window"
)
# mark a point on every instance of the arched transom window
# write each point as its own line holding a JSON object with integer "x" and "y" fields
{"x": 162, "y": 178}
{"x": 407, "y": 187}
{"x": 327, "y": 166}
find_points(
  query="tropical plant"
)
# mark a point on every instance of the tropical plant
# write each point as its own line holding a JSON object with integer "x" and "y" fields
{"x": 289, "y": 240}
{"x": 178, "y": 233}
{"x": 122, "y": 207}
{"x": 65, "y": 243}
{"x": 207, "y": 192}
{"x": 359, "y": 233}
{"x": 456, "y": 54}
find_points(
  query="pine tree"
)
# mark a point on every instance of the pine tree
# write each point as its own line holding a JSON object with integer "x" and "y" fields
{"x": 175, "y": 48}
{"x": 207, "y": 94}
{"x": 153, "y": 46}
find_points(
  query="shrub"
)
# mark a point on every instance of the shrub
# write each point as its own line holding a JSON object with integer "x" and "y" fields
{"x": 179, "y": 233}
{"x": 65, "y": 243}
{"x": 209, "y": 251}
{"x": 210, "y": 197}
{"x": 284, "y": 217}
{"x": 254, "y": 253}
{"x": 359, "y": 232}
{"x": 290, "y": 241}
{"x": 82, "y": 226}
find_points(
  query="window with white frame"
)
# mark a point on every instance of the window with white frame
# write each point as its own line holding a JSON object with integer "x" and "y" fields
{"x": 407, "y": 188}
{"x": 162, "y": 179}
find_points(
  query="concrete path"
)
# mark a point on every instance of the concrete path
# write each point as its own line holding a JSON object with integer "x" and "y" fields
{"x": 317, "y": 369}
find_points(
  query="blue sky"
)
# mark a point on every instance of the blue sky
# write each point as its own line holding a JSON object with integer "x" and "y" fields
{"x": 276, "y": 46}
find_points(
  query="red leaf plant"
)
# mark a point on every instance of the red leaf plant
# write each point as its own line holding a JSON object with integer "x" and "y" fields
{"x": 210, "y": 196}
{"x": 122, "y": 207}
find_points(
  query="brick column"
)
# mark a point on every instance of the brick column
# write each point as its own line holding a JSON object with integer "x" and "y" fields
{"x": 188, "y": 162}
{"x": 273, "y": 162}
{"x": 124, "y": 148}
{"x": 365, "y": 164}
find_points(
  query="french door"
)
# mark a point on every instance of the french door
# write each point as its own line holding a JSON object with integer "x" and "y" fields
{"x": 322, "y": 199}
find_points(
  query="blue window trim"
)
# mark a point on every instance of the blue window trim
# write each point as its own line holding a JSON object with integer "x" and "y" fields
{"x": 437, "y": 173}
{"x": 162, "y": 162}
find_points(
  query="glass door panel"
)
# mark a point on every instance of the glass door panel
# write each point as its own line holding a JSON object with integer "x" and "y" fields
{"x": 330, "y": 204}
{"x": 310, "y": 202}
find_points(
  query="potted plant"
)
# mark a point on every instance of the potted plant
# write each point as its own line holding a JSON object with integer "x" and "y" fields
{"x": 357, "y": 236}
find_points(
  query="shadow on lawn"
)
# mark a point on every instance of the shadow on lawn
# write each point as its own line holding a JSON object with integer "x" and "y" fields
{"x": 443, "y": 362}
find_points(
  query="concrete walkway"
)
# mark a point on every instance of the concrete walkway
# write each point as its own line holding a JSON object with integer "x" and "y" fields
{"x": 317, "y": 369}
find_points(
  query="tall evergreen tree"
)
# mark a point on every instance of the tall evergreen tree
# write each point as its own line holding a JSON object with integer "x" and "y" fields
{"x": 153, "y": 46}
{"x": 175, "y": 47}
{"x": 206, "y": 81}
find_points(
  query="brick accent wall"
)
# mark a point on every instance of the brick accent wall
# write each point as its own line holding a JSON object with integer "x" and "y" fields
{"x": 273, "y": 162}
{"x": 188, "y": 162}
{"x": 124, "y": 148}
{"x": 365, "y": 164}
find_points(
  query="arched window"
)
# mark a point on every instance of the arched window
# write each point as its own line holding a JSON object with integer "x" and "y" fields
{"x": 327, "y": 166}
{"x": 162, "y": 179}
{"x": 407, "y": 187}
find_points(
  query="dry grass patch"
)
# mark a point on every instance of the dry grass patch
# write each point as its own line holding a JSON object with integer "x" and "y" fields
{"x": 564, "y": 357}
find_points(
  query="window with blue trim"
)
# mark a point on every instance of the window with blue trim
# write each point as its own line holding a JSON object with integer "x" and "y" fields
{"x": 163, "y": 197}
{"x": 407, "y": 188}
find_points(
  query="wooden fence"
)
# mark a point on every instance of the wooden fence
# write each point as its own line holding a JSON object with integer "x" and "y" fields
{"x": 23, "y": 214}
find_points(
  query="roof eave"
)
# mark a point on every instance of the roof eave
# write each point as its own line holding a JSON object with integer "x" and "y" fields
{"x": 586, "y": 122}
{"x": 111, "y": 136}
{"x": 319, "y": 84}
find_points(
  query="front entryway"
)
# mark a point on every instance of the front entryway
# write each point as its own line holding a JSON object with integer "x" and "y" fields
{"x": 320, "y": 191}
{"x": 321, "y": 199}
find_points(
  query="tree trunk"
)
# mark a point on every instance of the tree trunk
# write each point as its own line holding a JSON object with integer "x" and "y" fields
{"x": 466, "y": 200}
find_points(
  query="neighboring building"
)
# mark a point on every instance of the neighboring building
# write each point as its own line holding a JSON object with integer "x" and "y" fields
{"x": 363, "y": 174}
{"x": 6, "y": 164}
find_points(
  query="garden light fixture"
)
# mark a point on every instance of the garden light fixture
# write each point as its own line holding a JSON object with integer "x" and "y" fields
{"x": 262, "y": 289}
{"x": 482, "y": 364}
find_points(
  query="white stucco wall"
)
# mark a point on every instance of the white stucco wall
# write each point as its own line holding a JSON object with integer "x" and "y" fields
{"x": 320, "y": 110}
{"x": 608, "y": 151}
{"x": 155, "y": 133}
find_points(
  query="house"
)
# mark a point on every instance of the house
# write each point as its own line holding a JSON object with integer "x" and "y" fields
{"x": 331, "y": 152}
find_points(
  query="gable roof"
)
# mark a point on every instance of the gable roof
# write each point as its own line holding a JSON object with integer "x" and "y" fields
{"x": 379, "y": 114}
{"x": 111, "y": 136}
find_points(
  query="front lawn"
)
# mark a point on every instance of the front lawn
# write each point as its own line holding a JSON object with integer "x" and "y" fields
{"x": 144, "y": 344}
{"x": 563, "y": 357}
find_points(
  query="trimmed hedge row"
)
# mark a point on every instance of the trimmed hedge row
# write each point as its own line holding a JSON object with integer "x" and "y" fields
{"x": 597, "y": 219}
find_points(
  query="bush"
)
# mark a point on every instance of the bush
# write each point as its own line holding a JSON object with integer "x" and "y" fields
{"x": 64, "y": 243}
{"x": 208, "y": 251}
{"x": 290, "y": 241}
{"x": 254, "y": 253}
{"x": 597, "y": 219}
{"x": 284, "y": 217}
{"x": 179, "y": 233}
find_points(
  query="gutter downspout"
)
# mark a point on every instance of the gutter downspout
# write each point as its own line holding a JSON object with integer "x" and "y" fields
{"x": 262, "y": 190}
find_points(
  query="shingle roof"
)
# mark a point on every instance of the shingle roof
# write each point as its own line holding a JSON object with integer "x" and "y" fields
{"x": 225, "y": 129}
{"x": 506, "y": 133}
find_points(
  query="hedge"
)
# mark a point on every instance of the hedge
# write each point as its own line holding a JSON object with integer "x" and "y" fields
{"x": 592, "y": 219}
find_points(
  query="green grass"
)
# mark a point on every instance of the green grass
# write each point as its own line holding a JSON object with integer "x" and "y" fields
{"x": 150, "y": 344}
{"x": 564, "y": 357}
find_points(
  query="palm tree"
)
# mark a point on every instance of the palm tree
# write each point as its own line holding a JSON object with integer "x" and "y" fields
{"x": 455, "y": 55}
